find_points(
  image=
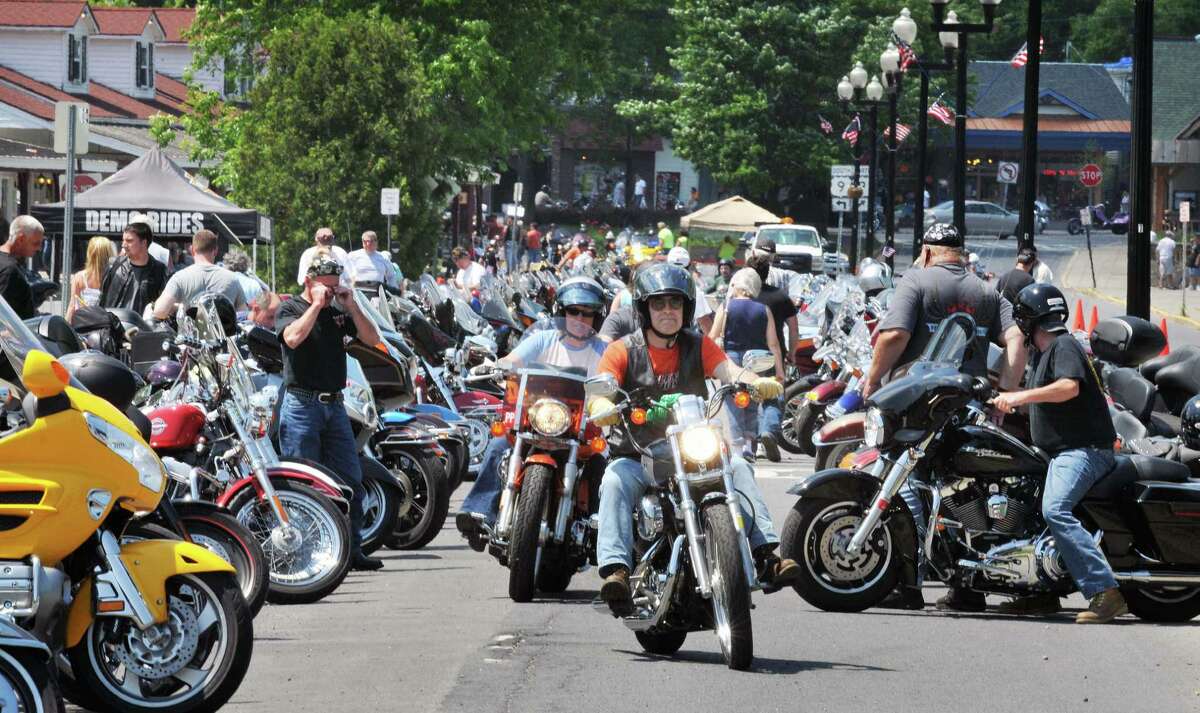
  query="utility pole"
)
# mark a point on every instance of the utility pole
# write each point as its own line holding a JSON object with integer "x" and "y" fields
{"x": 1029, "y": 129}
{"x": 1137, "y": 296}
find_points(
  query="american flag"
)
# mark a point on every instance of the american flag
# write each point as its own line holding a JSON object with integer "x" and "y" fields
{"x": 826, "y": 127}
{"x": 941, "y": 112}
{"x": 902, "y": 132}
{"x": 1022, "y": 56}
{"x": 907, "y": 55}
{"x": 852, "y": 129}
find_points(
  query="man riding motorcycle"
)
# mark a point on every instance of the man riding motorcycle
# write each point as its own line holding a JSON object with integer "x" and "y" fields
{"x": 659, "y": 359}
{"x": 580, "y": 304}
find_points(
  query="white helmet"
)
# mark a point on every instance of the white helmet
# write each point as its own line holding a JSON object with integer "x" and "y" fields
{"x": 875, "y": 277}
{"x": 679, "y": 256}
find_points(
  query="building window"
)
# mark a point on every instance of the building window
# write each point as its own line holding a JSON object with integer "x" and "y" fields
{"x": 77, "y": 59}
{"x": 145, "y": 65}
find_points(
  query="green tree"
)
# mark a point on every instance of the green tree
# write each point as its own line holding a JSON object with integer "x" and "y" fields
{"x": 1105, "y": 33}
{"x": 341, "y": 110}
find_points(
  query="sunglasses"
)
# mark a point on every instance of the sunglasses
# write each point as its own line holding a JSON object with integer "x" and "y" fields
{"x": 664, "y": 302}
{"x": 579, "y": 312}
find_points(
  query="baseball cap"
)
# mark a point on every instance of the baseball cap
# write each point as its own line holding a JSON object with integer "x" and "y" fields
{"x": 943, "y": 234}
{"x": 323, "y": 265}
{"x": 679, "y": 256}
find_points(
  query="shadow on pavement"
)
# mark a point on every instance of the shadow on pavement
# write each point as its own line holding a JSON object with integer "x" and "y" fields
{"x": 761, "y": 663}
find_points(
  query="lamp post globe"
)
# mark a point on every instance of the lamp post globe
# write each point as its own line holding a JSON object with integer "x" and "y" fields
{"x": 905, "y": 27}
{"x": 949, "y": 40}
{"x": 889, "y": 60}
{"x": 858, "y": 76}
{"x": 845, "y": 90}
{"x": 874, "y": 90}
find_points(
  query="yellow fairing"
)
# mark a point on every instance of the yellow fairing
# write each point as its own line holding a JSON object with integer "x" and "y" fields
{"x": 53, "y": 464}
{"x": 150, "y": 563}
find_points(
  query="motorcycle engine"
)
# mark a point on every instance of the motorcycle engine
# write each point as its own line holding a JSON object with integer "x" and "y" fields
{"x": 1001, "y": 506}
{"x": 649, "y": 518}
{"x": 1034, "y": 563}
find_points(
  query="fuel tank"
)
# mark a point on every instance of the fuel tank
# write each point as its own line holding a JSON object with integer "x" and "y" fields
{"x": 981, "y": 452}
{"x": 175, "y": 427}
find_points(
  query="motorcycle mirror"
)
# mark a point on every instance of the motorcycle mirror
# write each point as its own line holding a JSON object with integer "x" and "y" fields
{"x": 601, "y": 386}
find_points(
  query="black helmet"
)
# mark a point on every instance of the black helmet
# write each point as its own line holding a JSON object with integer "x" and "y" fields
{"x": 726, "y": 262}
{"x": 581, "y": 292}
{"x": 663, "y": 278}
{"x": 1189, "y": 426}
{"x": 1041, "y": 305}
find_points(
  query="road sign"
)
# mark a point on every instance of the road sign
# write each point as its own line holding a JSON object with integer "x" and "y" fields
{"x": 1185, "y": 212}
{"x": 81, "y": 127}
{"x": 518, "y": 191}
{"x": 1091, "y": 175}
{"x": 1007, "y": 172}
{"x": 842, "y": 176}
{"x": 842, "y": 205}
{"x": 389, "y": 201}
{"x": 1085, "y": 216}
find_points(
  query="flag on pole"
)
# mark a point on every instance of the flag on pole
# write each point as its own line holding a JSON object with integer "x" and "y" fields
{"x": 902, "y": 132}
{"x": 826, "y": 127}
{"x": 1022, "y": 56}
{"x": 941, "y": 112}
{"x": 907, "y": 56}
{"x": 852, "y": 129}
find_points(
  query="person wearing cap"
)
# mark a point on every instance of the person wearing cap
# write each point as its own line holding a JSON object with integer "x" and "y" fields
{"x": 323, "y": 239}
{"x": 939, "y": 286}
{"x": 134, "y": 280}
{"x": 787, "y": 280}
{"x": 704, "y": 312}
{"x": 666, "y": 239}
{"x": 1017, "y": 278}
{"x": 312, "y": 419}
{"x": 470, "y": 273}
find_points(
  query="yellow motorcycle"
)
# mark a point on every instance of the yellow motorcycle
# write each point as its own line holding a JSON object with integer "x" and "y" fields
{"x": 152, "y": 625}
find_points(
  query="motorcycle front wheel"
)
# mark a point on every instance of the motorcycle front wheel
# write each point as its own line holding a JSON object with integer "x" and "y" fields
{"x": 793, "y": 402}
{"x": 730, "y": 591}
{"x": 815, "y": 534}
{"x": 525, "y": 547}
{"x": 1074, "y": 226}
{"x": 425, "y": 501}
{"x": 308, "y": 559}
{"x": 27, "y": 683}
{"x": 380, "y": 508}
{"x": 192, "y": 663}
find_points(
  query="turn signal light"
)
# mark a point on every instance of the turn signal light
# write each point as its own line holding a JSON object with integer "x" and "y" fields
{"x": 812, "y": 396}
{"x": 498, "y": 428}
{"x": 741, "y": 399}
{"x": 638, "y": 416}
{"x": 110, "y": 607}
{"x": 598, "y": 444}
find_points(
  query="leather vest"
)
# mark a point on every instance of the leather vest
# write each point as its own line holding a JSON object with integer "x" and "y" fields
{"x": 639, "y": 374}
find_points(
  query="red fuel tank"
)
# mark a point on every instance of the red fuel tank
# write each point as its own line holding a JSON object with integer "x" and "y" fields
{"x": 176, "y": 427}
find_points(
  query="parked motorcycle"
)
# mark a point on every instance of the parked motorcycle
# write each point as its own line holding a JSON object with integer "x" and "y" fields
{"x": 1118, "y": 223}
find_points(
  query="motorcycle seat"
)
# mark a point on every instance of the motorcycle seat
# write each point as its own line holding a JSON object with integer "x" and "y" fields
{"x": 1134, "y": 468}
{"x": 130, "y": 318}
{"x": 1151, "y": 367}
{"x": 1182, "y": 376}
{"x": 1133, "y": 391}
{"x": 1165, "y": 424}
{"x": 1127, "y": 426}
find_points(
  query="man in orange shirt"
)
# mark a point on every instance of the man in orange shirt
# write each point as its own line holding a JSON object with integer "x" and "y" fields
{"x": 664, "y": 358}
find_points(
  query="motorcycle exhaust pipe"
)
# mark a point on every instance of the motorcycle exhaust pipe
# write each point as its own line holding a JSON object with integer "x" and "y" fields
{"x": 1165, "y": 578}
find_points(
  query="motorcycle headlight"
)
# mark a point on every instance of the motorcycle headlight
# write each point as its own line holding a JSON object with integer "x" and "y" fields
{"x": 875, "y": 428}
{"x": 700, "y": 444}
{"x": 137, "y": 454}
{"x": 550, "y": 417}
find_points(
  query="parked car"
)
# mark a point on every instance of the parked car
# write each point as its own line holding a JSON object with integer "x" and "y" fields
{"x": 983, "y": 218}
{"x": 797, "y": 247}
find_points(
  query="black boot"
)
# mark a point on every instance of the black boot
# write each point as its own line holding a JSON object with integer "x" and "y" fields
{"x": 362, "y": 563}
{"x": 964, "y": 600}
{"x": 904, "y": 597}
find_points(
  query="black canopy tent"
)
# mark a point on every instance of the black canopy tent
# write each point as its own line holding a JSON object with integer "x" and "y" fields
{"x": 157, "y": 186}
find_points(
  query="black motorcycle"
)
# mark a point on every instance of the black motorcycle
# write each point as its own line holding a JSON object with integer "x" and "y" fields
{"x": 982, "y": 488}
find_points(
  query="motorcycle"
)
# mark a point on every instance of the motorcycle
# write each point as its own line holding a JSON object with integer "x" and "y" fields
{"x": 27, "y": 681}
{"x": 1118, "y": 223}
{"x": 149, "y": 625}
{"x": 694, "y": 567}
{"x": 981, "y": 488}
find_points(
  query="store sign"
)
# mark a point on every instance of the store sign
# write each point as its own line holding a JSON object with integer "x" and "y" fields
{"x": 165, "y": 222}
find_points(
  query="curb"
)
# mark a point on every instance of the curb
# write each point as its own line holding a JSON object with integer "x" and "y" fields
{"x": 1162, "y": 313}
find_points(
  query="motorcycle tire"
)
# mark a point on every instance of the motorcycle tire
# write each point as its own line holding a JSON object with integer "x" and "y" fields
{"x": 423, "y": 512}
{"x": 524, "y": 547}
{"x": 1074, "y": 226}
{"x": 730, "y": 591}
{"x": 807, "y": 421}
{"x": 27, "y": 682}
{"x": 806, "y": 528}
{"x": 96, "y": 659}
{"x": 831, "y": 456}
{"x": 1178, "y": 604}
{"x": 664, "y": 643}
{"x": 793, "y": 400}
{"x": 301, "y": 503}
{"x": 380, "y": 508}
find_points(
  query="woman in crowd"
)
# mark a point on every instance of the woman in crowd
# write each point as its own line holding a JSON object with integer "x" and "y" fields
{"x": 85, "y": 284}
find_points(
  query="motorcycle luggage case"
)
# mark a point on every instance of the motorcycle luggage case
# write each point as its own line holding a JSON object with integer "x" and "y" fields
{"x": 1172, "y": 512}
{"x": 1126, "y": 340}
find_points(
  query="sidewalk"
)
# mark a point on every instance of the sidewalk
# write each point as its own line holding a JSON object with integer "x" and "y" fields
{"x": 1109, "y": 294}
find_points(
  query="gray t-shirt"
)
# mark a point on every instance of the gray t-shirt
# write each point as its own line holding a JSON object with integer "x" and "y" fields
{"x": 194, "y": 280}
{"x": 927, "y": 296}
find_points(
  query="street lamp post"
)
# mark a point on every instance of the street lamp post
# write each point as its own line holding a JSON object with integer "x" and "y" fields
{"x": 889, "y": 62}
{"x": 944, "y": 24}
{"x": 847, "y": 88}
{"x": 874, "y": 95}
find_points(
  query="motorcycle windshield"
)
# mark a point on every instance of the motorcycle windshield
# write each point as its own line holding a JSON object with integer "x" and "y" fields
{"x": 17, "y": 341}
{"x": 949, "y": 345}
{"x": 470, "y": 320}
{"x": 427, "y": 287}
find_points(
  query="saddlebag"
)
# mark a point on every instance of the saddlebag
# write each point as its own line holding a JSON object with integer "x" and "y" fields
{"x": 1126, "y": 341}
{"x": 1172, "y": 512}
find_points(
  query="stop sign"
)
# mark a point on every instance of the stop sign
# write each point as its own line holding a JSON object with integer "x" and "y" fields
{"x": 1091, "y": 175}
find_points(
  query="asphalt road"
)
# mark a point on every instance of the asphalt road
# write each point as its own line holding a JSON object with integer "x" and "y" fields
{"x": 435, "y": 631}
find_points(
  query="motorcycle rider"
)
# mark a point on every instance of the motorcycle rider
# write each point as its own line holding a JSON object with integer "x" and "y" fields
{"x": 661, "y": 358}
{"x": 580, "y": 304}
{"x": 940, "y": 286}
{"x": 1069, "y": 419}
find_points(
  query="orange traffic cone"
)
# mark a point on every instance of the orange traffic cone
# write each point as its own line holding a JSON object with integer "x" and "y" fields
{"x": 1167, "y": 346}
{"x": 1095, "y": 318}
{"x": 1077, "y": 326}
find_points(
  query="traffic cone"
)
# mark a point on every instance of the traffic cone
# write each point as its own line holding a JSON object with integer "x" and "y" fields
{"x": 1095, "y": 318}
{"x": 1078, "y": 325}
{"x": 1166, "y": 347}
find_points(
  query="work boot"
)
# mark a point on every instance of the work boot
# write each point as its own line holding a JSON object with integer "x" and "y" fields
{"x": 1103, "y": 608}
{"x": 1034, "y": 605}
{"x": 771, "y": 447}
{"x": 964, "y": 600}
{"x": 615, "y": 591}
{"x": 774, "y": 573}
{"x": 362, "y": 563}
{"x": 904, "y": 597}
{"x": 471, "y": 525}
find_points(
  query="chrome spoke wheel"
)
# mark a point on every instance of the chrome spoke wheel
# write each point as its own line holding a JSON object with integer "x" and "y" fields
{"x": 308, "y": 549}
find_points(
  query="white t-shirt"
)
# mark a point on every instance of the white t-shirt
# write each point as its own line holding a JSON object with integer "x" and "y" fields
{"x": 1166, "y": 250}
{"x": 1042, "y": 274}
{"x": 639, "y": 188}
{"x": 338, "y": 254}
{"x": 703, "y": 309}
{"x": 160, "y": 253}
{"x": 471, "y": 276}
{"x": 370, "y": 267}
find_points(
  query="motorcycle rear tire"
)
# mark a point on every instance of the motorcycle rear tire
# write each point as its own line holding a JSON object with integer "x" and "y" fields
{"x": 554, "y": 576}
{"x": 806, "y": 423}
{"x": 831, "y": 456}
{"x": 1074, "y": 226}
{"x": 1150, "y": 608}
{"x": 532, "y": 502}
{"x": 730, "y": 589}
{"x": 429, "y": 476}
{"x": 29, "y": 681}
{"x": 664, "y": 643}
{"x": 376, "y": 531}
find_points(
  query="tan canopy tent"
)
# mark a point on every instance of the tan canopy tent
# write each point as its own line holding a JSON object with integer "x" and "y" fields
{"x": 734, "y": 214}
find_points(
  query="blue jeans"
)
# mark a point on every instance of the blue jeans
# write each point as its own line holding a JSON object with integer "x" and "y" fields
{"x": 533, "y": 255}
{"x": 512, "y": 257}
{"x": 484, "y": 497}
{"x": 746, "y": 425}
{"x": 622, "y": 488}
{"x": 770, "y": 417}
{"x": 1072, "y": 474}
{"x": 321, "y": 432}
